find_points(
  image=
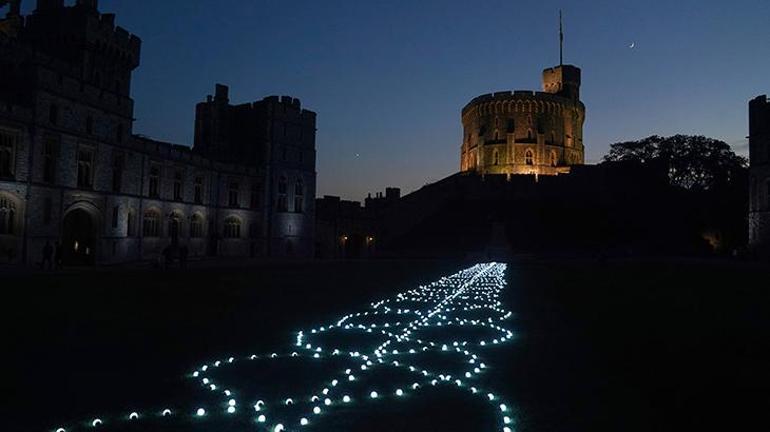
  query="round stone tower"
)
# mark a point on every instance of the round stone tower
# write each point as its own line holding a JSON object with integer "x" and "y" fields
{"x": 526, "y": 132}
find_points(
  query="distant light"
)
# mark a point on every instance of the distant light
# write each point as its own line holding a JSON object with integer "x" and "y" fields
{"x": 503, "y": 408}
{"x": 346, "y": 399}
{"x": 201, "y": 412}
{"x": 133, "y": 416}
{"x": 373, "y": 395}
{"x": 61, "y": 430}
{"x": 316, "y": 410}
{"x": 278, "y": 428}
{"x": 261, "y": 418}
{"x": 327, "y": 401}
{"x": 166, "y": 412}
{"x": 231, "y": 402}
{"x": 231, "y": 409}
{"x": 303, "y": 421}
{"x": 96, "y": 422}
{"x": 399, "y": 392}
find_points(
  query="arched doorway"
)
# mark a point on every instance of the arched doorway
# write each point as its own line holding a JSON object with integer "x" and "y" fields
{"x": 79, "y": 239}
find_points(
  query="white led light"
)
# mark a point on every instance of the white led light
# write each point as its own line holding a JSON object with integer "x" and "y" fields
{"x": 261, "y": 418}
{"x": 346, "y": 399}
{"x": 166, "y": 412}
{"x": 231, "y": 409}
{"x": 316, "y": 410}
{"x": 96, "y": 422}
{"x": 303, "y": 421}
{"x": 133, "y": 416}
{"x": 201, "y": 412}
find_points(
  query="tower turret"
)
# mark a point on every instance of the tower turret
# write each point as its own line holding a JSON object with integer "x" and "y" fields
{"x": 562, "y": 80}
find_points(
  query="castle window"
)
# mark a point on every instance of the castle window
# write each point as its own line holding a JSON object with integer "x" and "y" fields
{"x": 117, "y": 173}
{"x": 482, "y": 130}
{"x": 496, "y": 158}
{"x": 198, "y": 198}
{"x": 154, "y": 185}
{"x": 53, "y": 114}
{"x": 178, "y": 186}
{"x": 232, "y": 195}
{"x": 554, "y": 159}
{"x": 299, "y": 198}
{"x": 115, "y": 216}
{"x": 119, "y": 133}
{"x": 283, "y": 203}
{"x": 529, "y": 133}
{"x": 89, "y": 125}
{"x": 196, "y": 226}
{"x": 511, "y": 127}
{"x": 232, "y": 228}
{"x": 7, "y": 154}
{"x": 529, "y": 157}
{"x": 7, "y": 216}
{"x": 85, "y": 168}
{"x": 131, "y": 224}
{"x": 256, "y": 195}
{"x": 47, "y": 209}
{"x": 151, "y": 226}
{"x": 174, "y": 226}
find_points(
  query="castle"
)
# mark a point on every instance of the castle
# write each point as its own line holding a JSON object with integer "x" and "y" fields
{"x": 759, "y": 172}
{"x": 73, "y": 171}
{"x": 525, "y": 132}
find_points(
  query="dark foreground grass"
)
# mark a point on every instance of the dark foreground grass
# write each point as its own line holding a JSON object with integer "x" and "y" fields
{"x": 654, "y": 345}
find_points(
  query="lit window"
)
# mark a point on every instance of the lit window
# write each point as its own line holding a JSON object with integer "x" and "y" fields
{"x": 232, "y": 227}
{"x": 554, "y": 159}
{"x": 151, "y": 226}
{"x": 7, "y": 216}
{"x": 529, "y": 157}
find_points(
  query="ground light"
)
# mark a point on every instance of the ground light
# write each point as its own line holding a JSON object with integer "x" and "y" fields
{"x": 469, "y": 299}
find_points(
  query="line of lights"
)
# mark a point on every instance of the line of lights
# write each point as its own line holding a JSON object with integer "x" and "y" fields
{"x": 442, "y": 304}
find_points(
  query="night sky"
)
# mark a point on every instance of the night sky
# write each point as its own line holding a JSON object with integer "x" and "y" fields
{"x": 388, "y": 78}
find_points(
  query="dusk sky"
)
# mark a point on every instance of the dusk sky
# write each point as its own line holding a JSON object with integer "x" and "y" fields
{"x": 388, "y": 78}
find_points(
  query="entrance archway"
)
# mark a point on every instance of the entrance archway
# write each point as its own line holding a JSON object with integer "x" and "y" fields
{"x": 79, "y": 238}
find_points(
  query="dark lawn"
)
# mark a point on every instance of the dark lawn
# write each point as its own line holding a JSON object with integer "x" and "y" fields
{"x": 618, "y": 346}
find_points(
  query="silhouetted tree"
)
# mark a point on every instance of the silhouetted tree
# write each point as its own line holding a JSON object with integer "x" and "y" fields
{"x": 692, "y": 162}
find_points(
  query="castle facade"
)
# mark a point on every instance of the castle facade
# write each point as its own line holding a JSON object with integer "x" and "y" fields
{"x": 525, "y": 132}
{"x": 72, "y": 170}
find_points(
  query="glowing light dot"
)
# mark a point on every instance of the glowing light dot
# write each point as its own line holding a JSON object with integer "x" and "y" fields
{"x": 201, "y": 412}
{"x": 195, "y": 374}
{"x": 61, "y": 430}
{"x": 399, "y": 392}
{"x": 507, "y": 429}
{"x": 316, "y": 410}
{"x": 231, "y": 409}
{"x": 278, "y": 428}
{"x": 506, "y": 420}
{"x": 96, "y": 422}
{"x": 303, "y": 421}
{"x": 491, "y": 396}
{"x": 327, "y": 401}
{"x": 346, "y": 399}
{"x": 503, "y": 408}
{"x": 231, "y": 402}
{"x": 373, "y": 395}
{"x": 133, "y": 416}
{"x": 289, "y": 401}
{"x": 166, "y": 412}
{"x": 261, "y": 418}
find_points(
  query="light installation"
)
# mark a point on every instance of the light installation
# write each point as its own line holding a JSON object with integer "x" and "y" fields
{"x": 399, "y": 332}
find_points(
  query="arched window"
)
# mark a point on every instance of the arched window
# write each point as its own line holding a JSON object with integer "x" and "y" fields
{"x": 554, "y": 159}
{"x": 151, "y": 224}
{"x": 529, "y": 157}
{"x": 496, "y": 158}
{"x": 7, "y": 216}
{"x": 232, "y": 228}
{"x": 175, "y": 226}
{"x": 299, "y": 198}
{"x": 196, "y": 226}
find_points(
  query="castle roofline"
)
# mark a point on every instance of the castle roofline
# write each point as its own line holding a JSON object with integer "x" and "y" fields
{"x": 516, "y": 95}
